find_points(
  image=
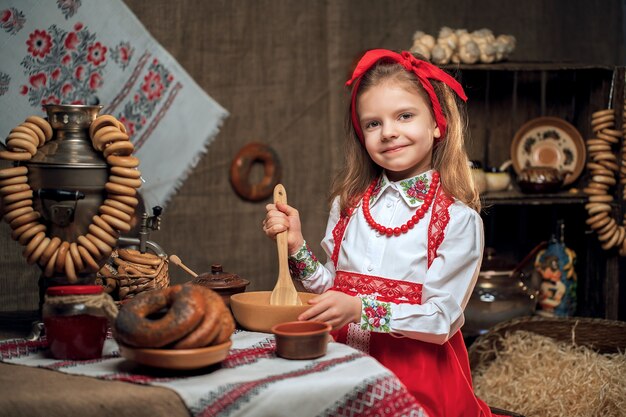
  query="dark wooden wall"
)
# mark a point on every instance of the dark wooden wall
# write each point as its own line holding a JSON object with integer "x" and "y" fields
{"x": 279, "y": 66}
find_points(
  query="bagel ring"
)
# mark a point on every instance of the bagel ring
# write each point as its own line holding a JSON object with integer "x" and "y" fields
{"x": 241, "y": 168}
{"x": 20, "y": 179}
{"x": 39, "y": 250}
{"x": 134, "y": 326}
{"x": 134, "y": 256}
{"x": 30, "y": 232}
{"x": 13, "y": 172}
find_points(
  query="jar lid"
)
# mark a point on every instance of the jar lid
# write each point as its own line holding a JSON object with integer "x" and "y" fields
{"x": 74, "y": 290}
{"x": 218, "y": 279}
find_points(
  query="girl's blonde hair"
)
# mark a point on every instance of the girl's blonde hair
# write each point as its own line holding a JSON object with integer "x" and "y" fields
{"x": 449, "y": 155}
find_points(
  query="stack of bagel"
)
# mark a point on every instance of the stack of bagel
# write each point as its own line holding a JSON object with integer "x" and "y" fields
{"x": 130, "y": 272}
{"x": 604, "y": 168}
{"x": 185, "y": 316}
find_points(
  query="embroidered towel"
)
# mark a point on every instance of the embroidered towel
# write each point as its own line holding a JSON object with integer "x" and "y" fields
{"x": 98, "y": 52}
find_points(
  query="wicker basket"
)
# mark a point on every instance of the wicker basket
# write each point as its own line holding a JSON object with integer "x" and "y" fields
{"x": 123, "y": 287}
{"x": 604, "y": 336}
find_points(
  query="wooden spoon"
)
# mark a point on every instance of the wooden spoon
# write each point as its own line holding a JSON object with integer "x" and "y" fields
{"x": 176, "y": 261}
{"x": 284, "y": 292}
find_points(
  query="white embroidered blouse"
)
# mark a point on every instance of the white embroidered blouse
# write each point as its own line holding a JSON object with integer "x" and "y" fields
{"x": 446, "y": 285}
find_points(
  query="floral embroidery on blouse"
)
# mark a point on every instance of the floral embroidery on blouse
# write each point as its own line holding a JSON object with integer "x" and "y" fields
{"x": 382, "y": 181}
{"x": 303, "y": 263}
{"x": 416, "y": 188}
{"x": 375, "y": 315}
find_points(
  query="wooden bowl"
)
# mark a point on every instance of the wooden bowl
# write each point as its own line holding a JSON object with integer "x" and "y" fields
{"x": 301, "y": 339}
{"x": 253, "y": 310}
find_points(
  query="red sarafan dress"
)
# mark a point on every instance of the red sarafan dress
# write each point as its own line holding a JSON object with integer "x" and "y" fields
{"x": 438, "y": 375}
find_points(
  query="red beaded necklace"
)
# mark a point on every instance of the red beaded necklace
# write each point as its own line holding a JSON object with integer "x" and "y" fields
{"x": 419, "y": 213}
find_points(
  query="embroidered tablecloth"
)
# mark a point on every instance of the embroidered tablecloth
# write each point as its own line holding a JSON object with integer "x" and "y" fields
{"x": 98, "y": 52}
{"x": 251, "y": 381}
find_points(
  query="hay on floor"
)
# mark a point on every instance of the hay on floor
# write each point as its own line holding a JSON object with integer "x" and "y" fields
{"x": 538, "y": 376}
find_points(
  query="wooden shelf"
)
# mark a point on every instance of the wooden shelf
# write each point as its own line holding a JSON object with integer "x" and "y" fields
{"x": 514, "y": 197}
{"x": 527, "y": 66}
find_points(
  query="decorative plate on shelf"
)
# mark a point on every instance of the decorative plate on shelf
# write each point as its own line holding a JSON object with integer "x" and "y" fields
{"x": 177, "y": 358}
{"x": 551, "y": 142}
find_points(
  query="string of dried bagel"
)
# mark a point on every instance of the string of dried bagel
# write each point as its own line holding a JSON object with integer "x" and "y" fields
{"x": 607, "y": 170}
{"x": 108, "y": 135}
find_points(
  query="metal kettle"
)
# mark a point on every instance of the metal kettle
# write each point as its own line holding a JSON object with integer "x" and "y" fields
{"x": 500, "y": 293}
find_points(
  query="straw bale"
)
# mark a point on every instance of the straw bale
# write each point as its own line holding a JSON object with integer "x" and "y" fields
{"x": 539, "y": 376}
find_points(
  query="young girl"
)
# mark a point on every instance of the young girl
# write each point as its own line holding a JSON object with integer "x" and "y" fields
{"x": 404, "y": 237}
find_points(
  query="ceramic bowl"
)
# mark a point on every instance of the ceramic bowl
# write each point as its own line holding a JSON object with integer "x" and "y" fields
{"x": 181, "y": 359}
{"x": 497, "y": 180}
{"x": 301, "y": 339}
{"x": 253, "y": 310}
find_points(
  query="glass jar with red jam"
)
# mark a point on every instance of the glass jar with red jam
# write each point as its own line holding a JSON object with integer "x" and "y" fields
{"x": 75, "y": 325}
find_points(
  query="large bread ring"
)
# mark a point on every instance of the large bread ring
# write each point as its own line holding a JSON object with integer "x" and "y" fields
{"x": 241, "y": 167}
{"x": 228, "y": 327}
{"x": 135, "y": 325}
{"x": 209, "y": 328}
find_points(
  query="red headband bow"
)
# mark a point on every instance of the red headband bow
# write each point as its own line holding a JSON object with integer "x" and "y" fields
{"x": 424, "y": 72}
